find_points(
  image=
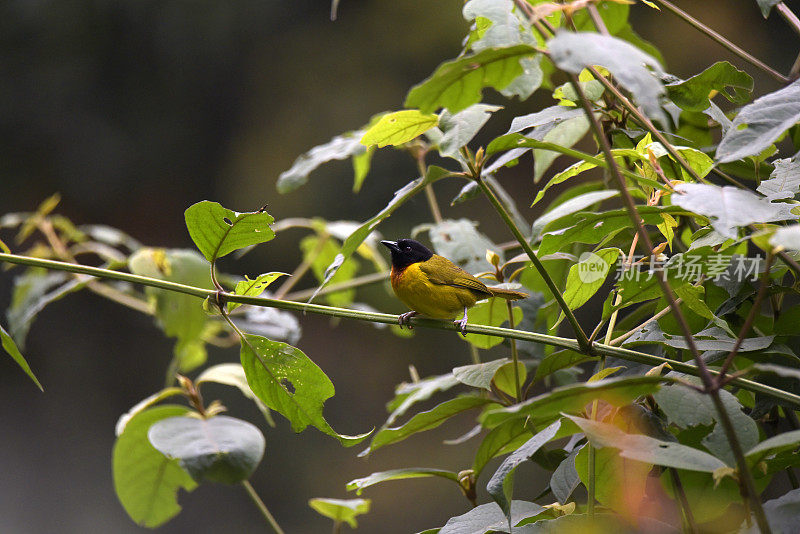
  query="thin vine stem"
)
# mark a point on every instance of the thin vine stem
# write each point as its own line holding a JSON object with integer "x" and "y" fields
{"x": 514, "y": 353}
{"x": 386, "y": 318}
{"x": 710, "y": 385}
{"x": 723, "y": 41}
{"x": 251, "y": 492}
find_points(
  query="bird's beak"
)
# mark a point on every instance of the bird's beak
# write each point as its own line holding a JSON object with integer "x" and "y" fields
{"x": 391, "y": 245}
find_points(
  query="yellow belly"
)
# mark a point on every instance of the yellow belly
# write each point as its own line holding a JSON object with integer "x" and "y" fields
{"x": 434, "y": 300}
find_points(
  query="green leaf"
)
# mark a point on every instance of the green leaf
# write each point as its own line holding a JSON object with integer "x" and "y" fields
{"x": 728, "y": 207}
{"x": 146, "y": 481}
{"x": 565, "y": 479}
{"x": 220, "y": 449}
{"x": 457, "y": 84}
{"x": 505, "y": 380}
{"x": 506, "y": 29}
{"x": 12, "y": 350}
{"x": 501, "y": 485}
{"x": 424, "y": 421}
{"x": 322, "y": 251}
{"x": 287, "y": 381}
{"x": 784, "y": 181}
{"x": 232, "y": 374}
{"x": 399, "y": 127}
{"x": 407, "y": 395}
{"x": 782, "y": 442}
{"x": 179, "y": 315}
{"x": 573, "y": 52}
{"x": 562, "y": 359}
{"x": 399, "y": 474}
{"x": 759, "y": 124}
{"x": 686, "y": 407}
{"x": 708, "y": 499}
{"x": 646, "y": 449}
{"x": 254, "y": 287}
{"x": 340, "y": 147}
{"x": 360, "y": 234}
{"x": 502, "y": 439}
{"x": 341, "y": 509}
{"x": 564, "y": 134}
{"x": 218, "y": 231}
{"x": 587, "y": 276}
{"x": 492, "y": 312}
{"x": 479, "y": 375}
{"x": 693, "y": 94}
{"x": 461, "y": 127}
{"x": 361, "y": 166}
{"x": 574, "y": 397}
{"x": 490, "y": 518}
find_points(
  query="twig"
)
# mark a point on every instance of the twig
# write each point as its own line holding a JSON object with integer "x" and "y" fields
{"x": 629, "y": 333}
{"x": 677, "y": 488}
{"x": 724, "y": 42}
{"x": 788, "y": 16}
{"x": 251, "y": 492}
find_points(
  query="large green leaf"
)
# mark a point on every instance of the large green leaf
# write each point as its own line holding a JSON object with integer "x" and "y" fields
{"x": 501, "y": 485}
{"x": 287, "y": 381}
{"x": 398, "y": 128}
{"x": 561, "y": 359}
{"x": 218, "y": 231}
{"x": 12, "y": 350}
{"x": 179, "y": 315}
{"x": 587, "y": 276}
{"x": 784, "y": 181}
{"x": 479, "y": 375}
{"x": 341, "y": 509}
{"x": 759, "y": 124}
{"x": 458, "y": 84}
{"x": 399, "y": 474}
{"x": 564, "y": 134}
{"x": 146, "y": 481}
{"x": 340, "y": 147}
{"x": 728, "y": 207}
{"x": 355, "y": 239}
{"x": 573, "y": 52}
{"x": 646, "y": 449}
{"x": 490, "y": 518}
{"x": 693, "y": 94}
{"x": 570, "y": 207}
{"x": 220, "y": 449}
{"x": 424, "y": 421}
{"x": 573, "y": 398}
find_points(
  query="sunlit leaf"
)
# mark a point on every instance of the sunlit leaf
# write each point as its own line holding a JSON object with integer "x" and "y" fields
{"x": 398, "y": 128}
{"x": 254, "y": 287}
{"x": 218, "y": 231}
{"x": 341, "y": 509}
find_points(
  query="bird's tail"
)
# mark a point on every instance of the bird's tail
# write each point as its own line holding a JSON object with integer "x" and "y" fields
{"x": 508, "y": 294}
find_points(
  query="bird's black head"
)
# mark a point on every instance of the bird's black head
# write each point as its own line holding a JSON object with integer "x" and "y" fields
{"x": 406, "y": 252}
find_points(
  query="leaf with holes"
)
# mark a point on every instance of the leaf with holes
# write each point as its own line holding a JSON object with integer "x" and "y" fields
{"x": 458, "y": 84}
{"x": 693, "y": 94}
{"x": 759, "y": 124}
{"x": 146, "y": 481}
{"x": 220, "y": 449}
{"x": 218, "y": 231}
{"x": 287, "y": 381}
{"x": 254, "y": 287}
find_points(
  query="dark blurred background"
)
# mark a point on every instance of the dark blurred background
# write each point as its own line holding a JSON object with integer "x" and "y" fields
{"x": 132, "y": 111}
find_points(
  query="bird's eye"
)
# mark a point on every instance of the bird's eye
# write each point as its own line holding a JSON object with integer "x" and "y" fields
{"x": 407, "y": 248}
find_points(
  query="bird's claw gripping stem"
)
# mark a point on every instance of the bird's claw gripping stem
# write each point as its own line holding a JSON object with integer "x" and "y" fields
{"x": 462, "y": 323}
{"x": 404, "y": 318}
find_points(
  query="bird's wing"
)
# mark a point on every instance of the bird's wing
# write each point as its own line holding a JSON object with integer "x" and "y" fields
{"x": 442, "y": 271}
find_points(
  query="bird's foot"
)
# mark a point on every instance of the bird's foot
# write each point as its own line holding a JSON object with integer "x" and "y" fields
{"x": 462, "y": 323}
{"x": 404, "y": 318}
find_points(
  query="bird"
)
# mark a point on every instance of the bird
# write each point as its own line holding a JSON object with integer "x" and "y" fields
{"x": 434, "y": 286}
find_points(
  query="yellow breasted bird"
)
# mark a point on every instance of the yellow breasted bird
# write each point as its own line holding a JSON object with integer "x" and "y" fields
{"x": 432, "y": 285}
